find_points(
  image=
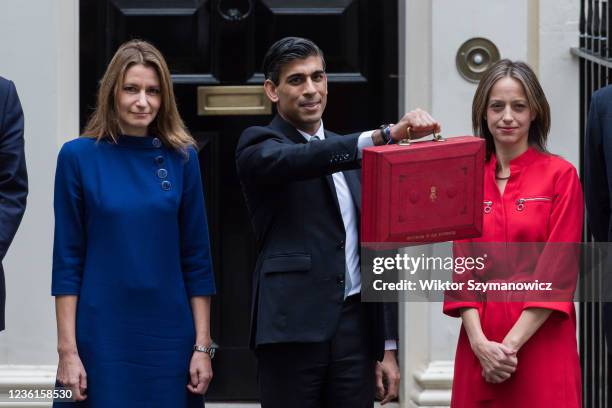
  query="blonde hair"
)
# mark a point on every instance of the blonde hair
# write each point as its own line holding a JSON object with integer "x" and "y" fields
{"x": 539, "y": 127}
{"x": 167, "y": 125}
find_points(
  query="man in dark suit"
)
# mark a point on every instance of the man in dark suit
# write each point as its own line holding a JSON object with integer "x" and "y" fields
{"x": 597, "y": 187}
{"x": 317, "y": 344}
{"x": 13, "y": 176}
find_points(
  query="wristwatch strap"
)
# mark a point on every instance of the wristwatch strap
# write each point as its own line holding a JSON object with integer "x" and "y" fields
{"x": 210, "y": 350}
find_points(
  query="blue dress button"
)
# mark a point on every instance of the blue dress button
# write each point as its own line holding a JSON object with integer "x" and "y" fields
{"x": 159, "y": 160}
{"x": 156, "y": 142}
{"x": 165, "y": 185}
{"x": 162, "y": 173}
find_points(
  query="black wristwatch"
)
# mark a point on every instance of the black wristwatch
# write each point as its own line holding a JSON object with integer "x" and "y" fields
{"x": 210, "y": 350}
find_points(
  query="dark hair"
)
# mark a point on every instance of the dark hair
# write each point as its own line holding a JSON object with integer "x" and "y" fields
{"x": 286, "y": 50}
{"x": 540, "y": 126}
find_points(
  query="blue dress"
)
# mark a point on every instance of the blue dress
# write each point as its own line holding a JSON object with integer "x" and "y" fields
{"x": 131, "y": 241}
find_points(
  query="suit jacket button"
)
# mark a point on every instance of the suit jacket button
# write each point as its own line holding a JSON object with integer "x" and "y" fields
{"x": 341, "y": 245}
{"x": 340, "y": 280}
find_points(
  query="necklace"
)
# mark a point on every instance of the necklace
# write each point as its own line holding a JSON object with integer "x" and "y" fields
{"x": 502, "y": 178}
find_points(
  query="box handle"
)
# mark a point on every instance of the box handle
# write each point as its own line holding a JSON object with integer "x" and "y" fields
{"x": 437, "y": 137}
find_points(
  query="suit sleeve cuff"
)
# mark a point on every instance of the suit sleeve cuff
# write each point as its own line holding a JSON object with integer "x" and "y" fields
{"x": 390, "y": 345}
{"x": 365, "y": 140}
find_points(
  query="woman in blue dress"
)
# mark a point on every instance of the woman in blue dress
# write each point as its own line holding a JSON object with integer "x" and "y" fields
{"x": 132, "y": 275}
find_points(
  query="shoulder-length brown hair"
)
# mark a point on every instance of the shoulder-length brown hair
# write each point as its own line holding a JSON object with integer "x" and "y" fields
{"x": 167, "y": 125}
{"x": 540, "y": 126}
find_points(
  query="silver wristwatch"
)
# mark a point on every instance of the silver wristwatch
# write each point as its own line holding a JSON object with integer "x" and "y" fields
{"x": 203, "y": 349}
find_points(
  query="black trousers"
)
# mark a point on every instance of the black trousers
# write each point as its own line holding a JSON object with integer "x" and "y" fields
{"x": 336, "y": 373}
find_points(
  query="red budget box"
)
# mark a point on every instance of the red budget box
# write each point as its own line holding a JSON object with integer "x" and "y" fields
{"x": 423, "y": 192}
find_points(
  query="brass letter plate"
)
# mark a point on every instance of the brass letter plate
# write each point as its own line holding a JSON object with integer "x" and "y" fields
{"x": 233, "y": 100}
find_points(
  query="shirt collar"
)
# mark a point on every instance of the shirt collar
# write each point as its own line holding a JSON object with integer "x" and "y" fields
{"x": 320, "y": 133}
{"x": 519, "y": 162}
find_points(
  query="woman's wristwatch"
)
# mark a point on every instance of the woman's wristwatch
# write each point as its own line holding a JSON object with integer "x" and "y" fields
{"x": 210, "y": 350}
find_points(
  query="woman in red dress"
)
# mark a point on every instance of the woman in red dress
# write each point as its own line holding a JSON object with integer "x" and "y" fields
{"x": 520, "y": 353}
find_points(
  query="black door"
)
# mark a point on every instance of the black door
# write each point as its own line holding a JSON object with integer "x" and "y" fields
{"x": 220, "y": 43}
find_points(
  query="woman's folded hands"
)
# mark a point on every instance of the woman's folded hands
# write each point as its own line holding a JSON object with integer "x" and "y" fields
{"x": 498, "y": 361}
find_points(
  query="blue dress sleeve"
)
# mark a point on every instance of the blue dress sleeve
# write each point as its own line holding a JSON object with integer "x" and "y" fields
{"x": 69, "y": 237}
{"x": 196, "y": 260}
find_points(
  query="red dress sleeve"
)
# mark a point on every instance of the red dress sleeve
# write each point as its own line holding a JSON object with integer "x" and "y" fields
{"x": 559, "y": 261}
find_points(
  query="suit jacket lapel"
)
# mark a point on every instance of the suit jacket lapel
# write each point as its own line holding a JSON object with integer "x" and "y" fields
{"x": 278, "y": 123}
{"x": 353, "y": 179}
{"x": 332, "y": 186}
